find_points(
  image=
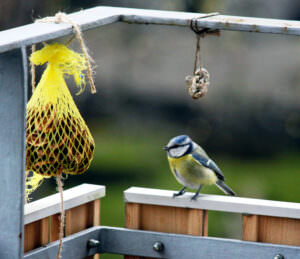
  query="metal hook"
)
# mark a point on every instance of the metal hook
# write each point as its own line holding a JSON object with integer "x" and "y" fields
{"x": 201, "y": 32}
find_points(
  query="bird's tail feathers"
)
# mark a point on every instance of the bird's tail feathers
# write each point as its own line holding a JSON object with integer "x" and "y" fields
{"x": 223, "y": 187}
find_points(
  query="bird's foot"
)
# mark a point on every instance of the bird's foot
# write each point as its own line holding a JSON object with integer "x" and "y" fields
{"x": 176, "y": 194}
{"x": 195, "y": 197}
{"x": 181, "y": 192}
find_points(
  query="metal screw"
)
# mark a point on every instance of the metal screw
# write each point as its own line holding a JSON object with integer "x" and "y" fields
{"x": 158, "y": 246}
{"x": 92, "y": 243}
{"x": 278, "y": 256}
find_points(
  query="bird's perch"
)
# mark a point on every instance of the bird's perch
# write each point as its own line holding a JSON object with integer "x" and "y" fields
{"x": 263, "y": 220}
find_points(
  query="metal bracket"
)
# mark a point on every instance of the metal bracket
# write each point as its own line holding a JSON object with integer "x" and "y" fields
{"x": 13, "y": 97}
{"x": 159, "y": 245}
{"x": 202, "y": 32}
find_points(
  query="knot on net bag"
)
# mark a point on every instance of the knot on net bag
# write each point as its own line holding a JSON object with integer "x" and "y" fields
{"x": 57, "y": 138}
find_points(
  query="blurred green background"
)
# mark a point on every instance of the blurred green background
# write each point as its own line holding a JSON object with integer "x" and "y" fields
{"x": 249, "y": 122}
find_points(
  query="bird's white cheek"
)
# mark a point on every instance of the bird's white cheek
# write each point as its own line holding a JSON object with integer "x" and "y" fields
{"x": 179, "y": 151}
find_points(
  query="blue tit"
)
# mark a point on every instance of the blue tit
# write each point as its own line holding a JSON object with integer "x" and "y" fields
{"x": 192, "y": 167}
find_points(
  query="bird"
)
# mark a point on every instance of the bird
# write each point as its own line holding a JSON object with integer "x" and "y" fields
{"x": 192, "y": 167}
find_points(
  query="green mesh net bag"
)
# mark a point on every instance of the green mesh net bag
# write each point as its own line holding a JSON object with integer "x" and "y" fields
{"x": 57, "y": 138}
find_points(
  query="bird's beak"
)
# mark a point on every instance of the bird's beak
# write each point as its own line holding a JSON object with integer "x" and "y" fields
{"x": 166, "y": 148}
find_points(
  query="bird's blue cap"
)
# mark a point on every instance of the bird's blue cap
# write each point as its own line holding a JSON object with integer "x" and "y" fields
{"x": 178, "y": 140}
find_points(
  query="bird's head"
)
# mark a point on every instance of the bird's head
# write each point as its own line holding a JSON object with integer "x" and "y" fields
{"x": 179, "y": 146}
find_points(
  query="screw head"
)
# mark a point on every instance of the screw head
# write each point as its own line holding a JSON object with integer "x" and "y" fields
{"x": 92, "y": 243}
{"x": 278, "y": 256}
{"x": 158, "y": 246}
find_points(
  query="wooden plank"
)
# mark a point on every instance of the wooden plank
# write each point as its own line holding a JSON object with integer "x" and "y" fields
{"x": 83, "y": 217}
{"x": 95, "y": 213}
{"x": 133, "y": 215}
{"x": 166, "y": 219}
{"x": 54, "y": 227}
{"x": 250, "y": 227}
{"x": 133, "y": 221}
{"x": 213, "y": 202}
{"x": 197, "y": 222}
{"x": 36, "y": 234}
{"x": 76, "y": 219}
{"x": 269, "y": 229}
{"x": 73, "y": 197}
{"x": 171, "y": 220}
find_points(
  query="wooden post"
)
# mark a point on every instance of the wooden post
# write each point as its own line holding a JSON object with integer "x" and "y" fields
{"x": 268, "y": 229}
{"x": 36, "y": 234}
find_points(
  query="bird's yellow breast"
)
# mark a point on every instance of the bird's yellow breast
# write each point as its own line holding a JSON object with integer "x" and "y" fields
{"x": 191, "y": 173}
{"x": 183, "y": 161}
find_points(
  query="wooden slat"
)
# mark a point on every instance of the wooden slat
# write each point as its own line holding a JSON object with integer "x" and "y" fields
{"x": 197, "y": 222}
{"x": 95, "y": 220}
{"x": 133, "y": 215}
{"x": 54, "y": 227}
{"x": 133, "y": 220}
{"x": 269, "y": 229}
{"x": 83, "y": 217}
{"x": 250, "y": 227}
{"x": 96, "y": 213}
{"x": 171, "y": 220}
{"x": 36, "y": 234}
{"x": 166, "y": 219}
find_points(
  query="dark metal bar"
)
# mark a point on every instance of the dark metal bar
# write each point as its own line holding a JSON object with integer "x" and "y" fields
{"x": 161, "y": 245}
{"x": 74, "y": 246}
{"x": 13, "y": 89}
{"x": 99, "y": 16}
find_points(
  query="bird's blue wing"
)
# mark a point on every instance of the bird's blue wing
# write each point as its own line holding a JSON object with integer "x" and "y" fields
{"x": 208, "y": 163}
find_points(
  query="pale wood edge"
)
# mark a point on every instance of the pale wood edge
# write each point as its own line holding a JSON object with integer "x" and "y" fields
{"x": 213, "y": 202}
{"x": 73, "y": 197}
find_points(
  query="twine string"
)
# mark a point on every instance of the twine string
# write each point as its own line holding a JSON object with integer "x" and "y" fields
{"x": 33, "y": 49}
{"x": 200, "y": 80}
{"x": 197, "y": 61}
{"x": 200, "y": 33}
{"x": 62, "y": 216}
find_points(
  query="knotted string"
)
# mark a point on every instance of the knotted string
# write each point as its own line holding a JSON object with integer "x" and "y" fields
{"x": 199, "y": 81}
